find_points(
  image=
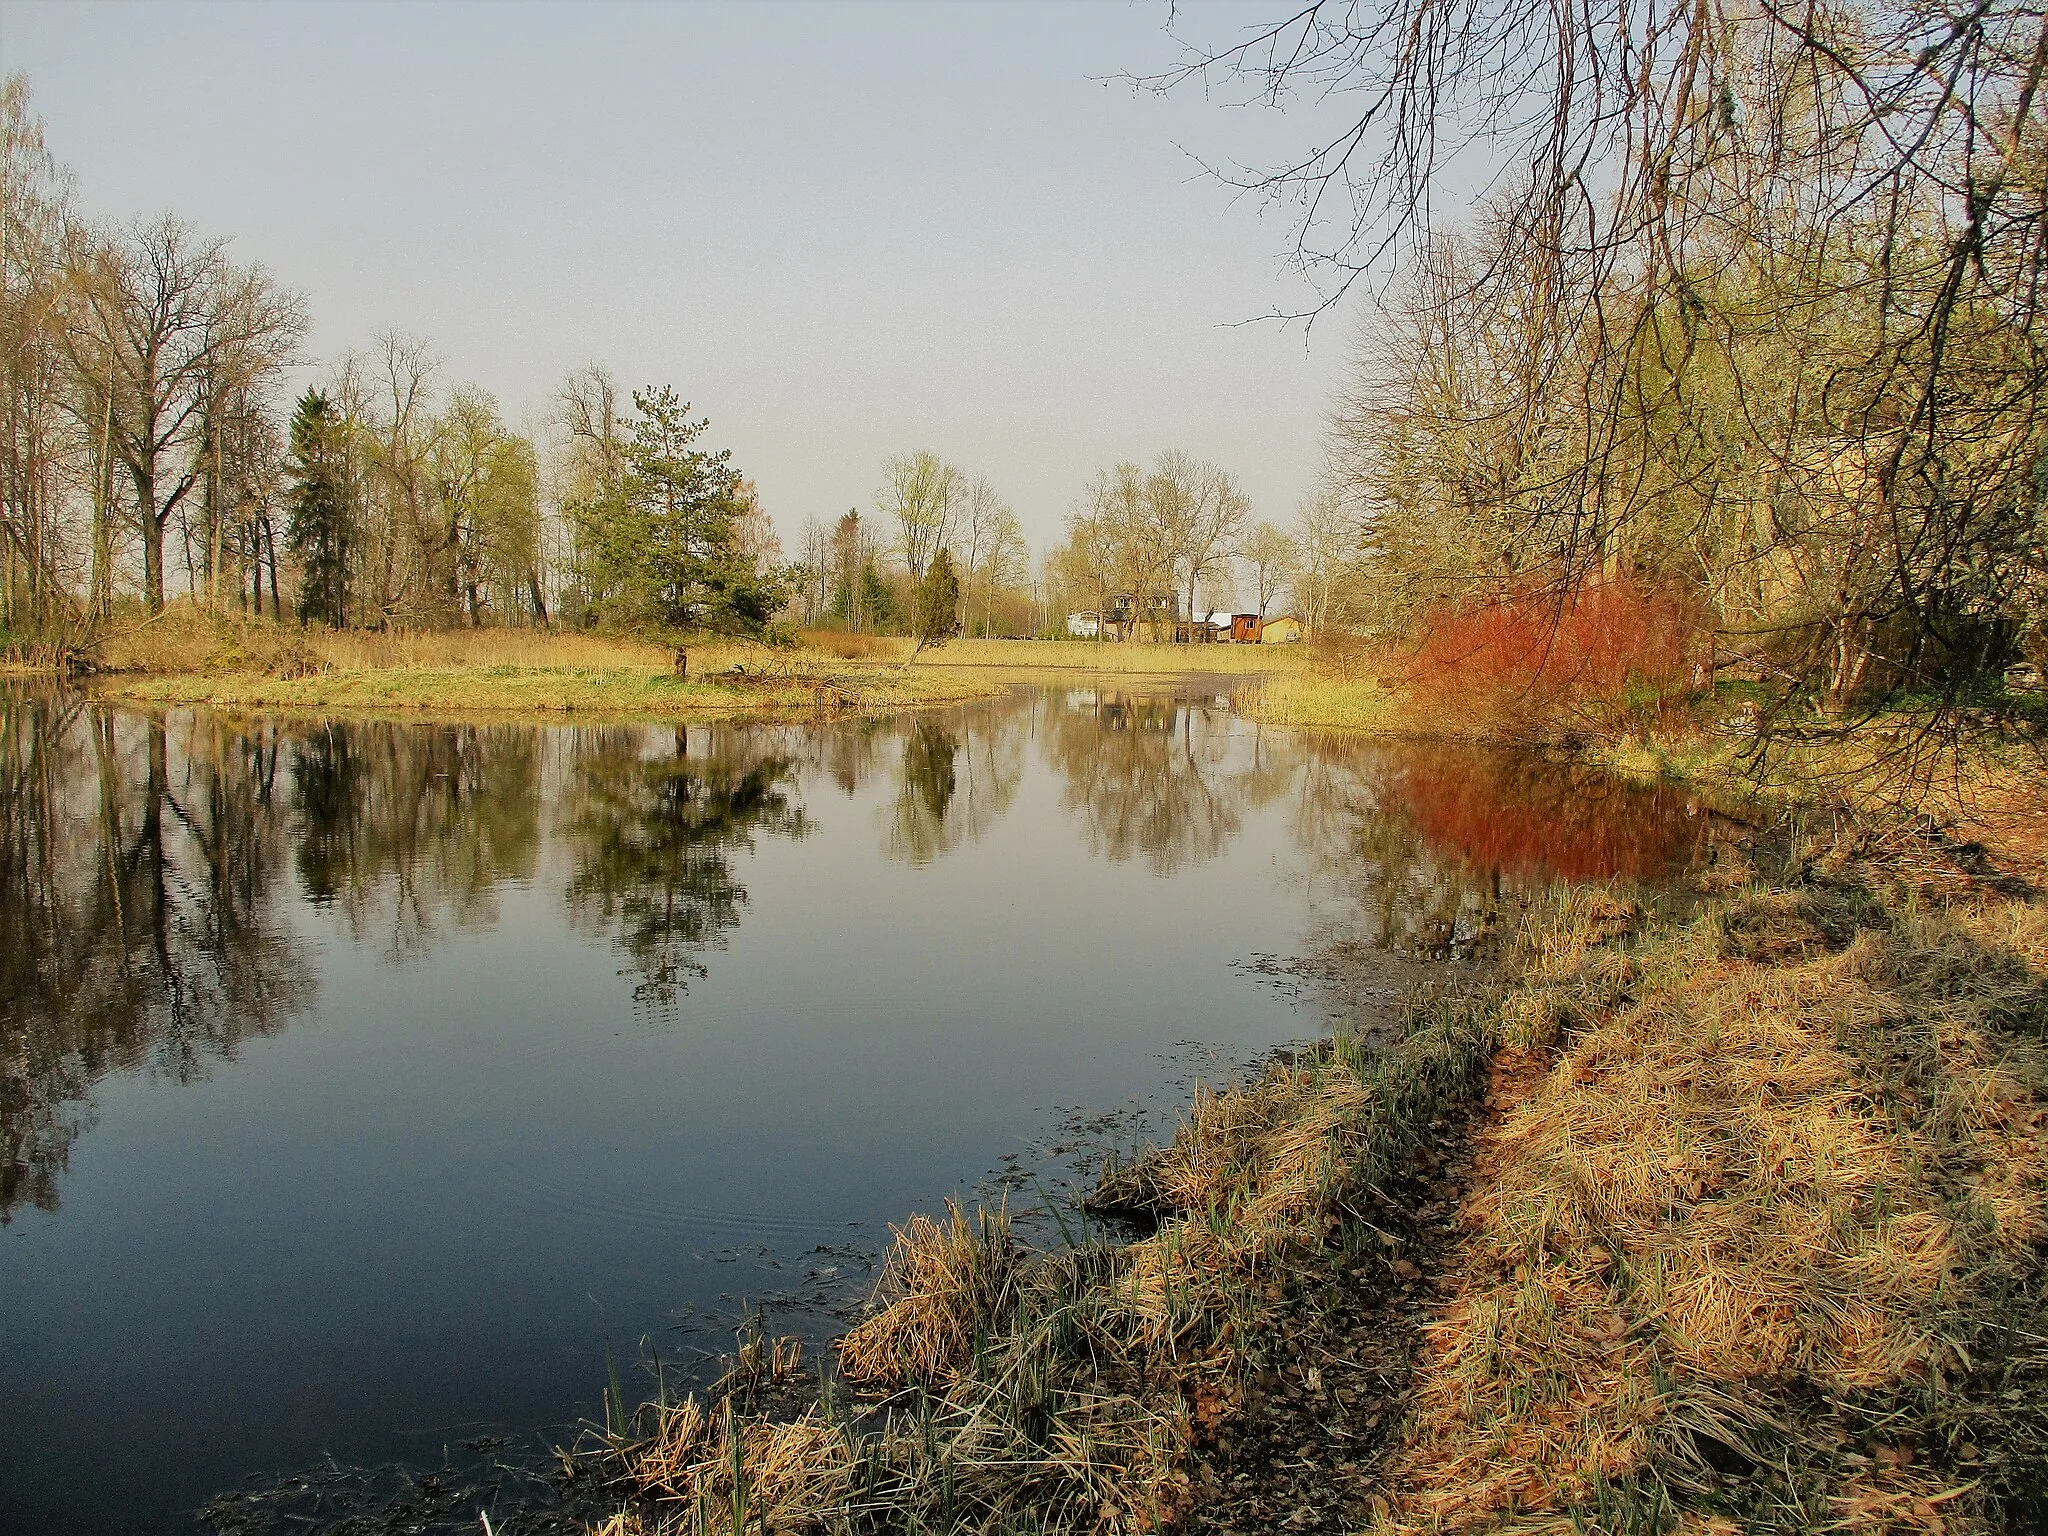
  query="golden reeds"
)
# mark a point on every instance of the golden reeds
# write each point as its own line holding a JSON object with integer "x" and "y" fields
{"x": 946, "y": 1283}
{"x": 1779, "y": 1162}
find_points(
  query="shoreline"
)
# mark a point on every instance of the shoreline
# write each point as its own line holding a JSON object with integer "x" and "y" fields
{"x": 1343, "y": 1318}
{"x": 769, "y": 694}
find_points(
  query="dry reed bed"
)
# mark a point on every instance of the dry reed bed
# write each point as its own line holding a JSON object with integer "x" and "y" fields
{"x": 1763, "y": 1248}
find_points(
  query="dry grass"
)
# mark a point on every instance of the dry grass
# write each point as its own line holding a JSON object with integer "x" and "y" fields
{"x": 191, "y": 657}
{"x": 1754, "y": 1240}
{"x": 1989, "y": 787}
{"x": 947, "y": 1281}
{"x": 1770, "y": 1205}
{"x": 1137, "y": 657}
{"x": 1341, "y": 682}
{"x": 1325, "y": 701}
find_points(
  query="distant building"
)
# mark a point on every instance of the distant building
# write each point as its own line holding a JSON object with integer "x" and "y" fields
{"x": 1281, "y": 630}
{"x": 1127, "y": 610}
{"x": 1086, "y": 625}
{"x": 1244, "y": 628}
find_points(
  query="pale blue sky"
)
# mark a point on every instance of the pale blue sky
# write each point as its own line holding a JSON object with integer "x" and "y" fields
{"x": 841, "y": 230}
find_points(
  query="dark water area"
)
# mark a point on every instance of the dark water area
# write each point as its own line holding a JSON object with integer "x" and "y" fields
{"x": 363, "y": 1084}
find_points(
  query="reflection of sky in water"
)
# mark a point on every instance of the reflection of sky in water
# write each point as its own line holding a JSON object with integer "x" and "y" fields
{"x": 362, "y": 1080}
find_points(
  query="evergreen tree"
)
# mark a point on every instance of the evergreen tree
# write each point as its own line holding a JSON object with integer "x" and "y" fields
{"x": 935, "y": 608}
{"x": 661, "y": 544}
{"x": 877, "y": 601}
{"x": 321, "y": 532}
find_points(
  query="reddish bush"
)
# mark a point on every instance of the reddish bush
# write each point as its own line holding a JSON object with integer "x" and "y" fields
{"x": 1530, "y": 664}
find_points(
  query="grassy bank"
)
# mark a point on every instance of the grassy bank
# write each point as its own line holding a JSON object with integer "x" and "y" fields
{"x": 195, "y": 658}
{"x": 1982, "y": 788}
{"x": 775, "y": 686}
{"x": 1318, "y": 697}
{"x": 1138, "y": 657}
{"x": 1736, "y": 1221}
{"x": 188, "y": 656}
{"x": 995, "y": 1389}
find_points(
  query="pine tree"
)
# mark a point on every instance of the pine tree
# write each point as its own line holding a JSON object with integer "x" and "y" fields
{"x": 321, "y": 533}
{"x": 662, "y": 545}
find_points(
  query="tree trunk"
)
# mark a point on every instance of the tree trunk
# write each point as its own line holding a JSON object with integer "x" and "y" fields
{"x": 152, "y": 524}
{"x": 270, "y": 540}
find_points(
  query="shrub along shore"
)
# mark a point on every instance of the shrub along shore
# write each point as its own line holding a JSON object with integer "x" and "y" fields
{"x": 1709, "y": 1220}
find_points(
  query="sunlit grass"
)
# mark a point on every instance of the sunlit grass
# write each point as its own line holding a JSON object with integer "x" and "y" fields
{"x": 1324, "y": 700}
{"x": 1758, "y": 1183}
{"x": 1108, "y": 656}
{"x": 191, "y": 657}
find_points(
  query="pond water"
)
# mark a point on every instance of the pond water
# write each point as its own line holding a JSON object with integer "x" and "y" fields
{"x": 363, "y": 1084}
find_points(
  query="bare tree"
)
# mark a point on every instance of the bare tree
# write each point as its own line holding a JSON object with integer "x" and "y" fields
{"x": 1270, "y": 554}
{"x": 926, "y": 496}
{"x": 164, "y": 313}
{"x": 1204, "y": 510}
{"x": 1323, "y": 540}
{"x": 39, "y": 439}
{"x": 1087, "y": 562}
{"x": 1764, "y": 296}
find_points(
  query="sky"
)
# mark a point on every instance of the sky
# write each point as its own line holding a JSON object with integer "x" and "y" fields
{"x": 842, "y": 231}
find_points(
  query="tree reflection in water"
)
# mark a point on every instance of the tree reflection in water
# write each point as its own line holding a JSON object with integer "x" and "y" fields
{"x": 1151, "y": 777}
{"x": 955, "y": 782}
{"x": 139, "y": 859}
{"x": 1415, "y": 845}
{"x": 145, "y": 860}
{"x": 403, "y": 827}
{"x": 653, "y": 832}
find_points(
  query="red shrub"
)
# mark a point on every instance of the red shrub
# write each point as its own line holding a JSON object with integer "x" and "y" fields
{"x": 1532, "y": 663}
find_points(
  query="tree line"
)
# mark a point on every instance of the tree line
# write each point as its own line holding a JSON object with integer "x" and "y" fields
{"x": 1147, "y": 546}
{"x": 150, "y": 451}
{"x": 146, "y": 454}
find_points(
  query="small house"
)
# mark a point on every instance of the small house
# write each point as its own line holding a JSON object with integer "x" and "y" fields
{"x": 1086, "y": 625}
{"x": 1280, "y": 630}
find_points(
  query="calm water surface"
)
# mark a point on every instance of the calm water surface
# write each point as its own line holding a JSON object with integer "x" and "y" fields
{"x": 362, "y": 1083}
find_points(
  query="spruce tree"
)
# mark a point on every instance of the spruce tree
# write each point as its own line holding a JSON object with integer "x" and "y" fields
{"x": 321, "y": 532}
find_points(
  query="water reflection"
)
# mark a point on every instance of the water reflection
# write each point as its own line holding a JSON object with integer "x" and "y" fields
{"x": 954, "y": 785}
{"x": 136, "y": 930}
{"x": 1411, "y": 853}
{"x": 654, "y": 832}
{"x": 144, "y": 858}
{"x": 1148, "y": 777}
{"x": 401, "y": 829}
{"x": 400, "y": 1215}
